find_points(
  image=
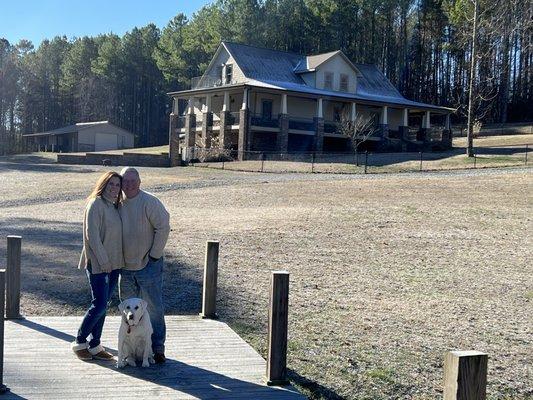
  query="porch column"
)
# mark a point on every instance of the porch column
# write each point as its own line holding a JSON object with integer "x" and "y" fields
{"x": 353, "y": 114}
{"x": 319, "y": 128}
{"x": 224, "y": 133}
{"x": 244, "y": 128}
{"x": 174, "y": 141}
{"x": 403, "y": 129}
{"x": 422, "y": 132}
{"x": 283, "y": 134}
{"x": 190, "y": 130}
{"x": 384, "y": 124}
{"x": 225, "y": 105}
{"x": 447, "y": 135}
{"x": 207, "y": 125}
{"x": 245, "y": 100}
{"x": 428, "y": 120}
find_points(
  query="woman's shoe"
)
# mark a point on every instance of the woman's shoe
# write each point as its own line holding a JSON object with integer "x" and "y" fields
{"x": 99, "y": 353}
{"x": 82, "y": 351}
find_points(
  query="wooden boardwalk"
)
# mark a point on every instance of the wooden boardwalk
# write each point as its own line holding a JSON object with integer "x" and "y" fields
{"x": 205, "y": 360}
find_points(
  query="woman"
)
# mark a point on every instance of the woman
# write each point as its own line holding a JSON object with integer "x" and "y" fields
{"x": 102, "y": 260}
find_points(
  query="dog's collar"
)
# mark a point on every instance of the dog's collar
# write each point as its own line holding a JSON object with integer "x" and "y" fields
{"x": 129, "y": 326}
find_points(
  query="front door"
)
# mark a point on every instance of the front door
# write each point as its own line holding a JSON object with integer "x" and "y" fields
{"x": 266, "y": 111}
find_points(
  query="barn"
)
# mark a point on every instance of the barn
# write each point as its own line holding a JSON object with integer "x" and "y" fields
{"x": 83, "y": 137}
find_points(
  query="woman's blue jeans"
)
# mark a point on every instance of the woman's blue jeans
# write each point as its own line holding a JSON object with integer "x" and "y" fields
{"x": 102, "y": 287}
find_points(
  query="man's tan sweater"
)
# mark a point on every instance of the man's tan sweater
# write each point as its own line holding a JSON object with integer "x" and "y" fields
{"x": 102, "y": 237}
{"x": 145, "y": 229}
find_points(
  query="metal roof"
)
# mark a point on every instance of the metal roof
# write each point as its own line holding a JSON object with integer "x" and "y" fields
{"x": 71, "y": 129}
{"x": 265, "y": 64}
{"x": 280, "y": 70}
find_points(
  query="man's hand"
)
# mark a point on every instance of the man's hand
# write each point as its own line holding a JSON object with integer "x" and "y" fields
{"x": 106, "y": 268}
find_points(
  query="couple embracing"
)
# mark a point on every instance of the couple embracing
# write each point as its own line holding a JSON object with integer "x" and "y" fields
{"x": 125, "y": 230}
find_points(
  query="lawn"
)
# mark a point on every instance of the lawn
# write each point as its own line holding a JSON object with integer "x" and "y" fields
{"x": 388, "y": 272}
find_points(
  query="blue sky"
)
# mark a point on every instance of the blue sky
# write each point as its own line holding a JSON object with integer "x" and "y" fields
{"x": 37, "y": 20}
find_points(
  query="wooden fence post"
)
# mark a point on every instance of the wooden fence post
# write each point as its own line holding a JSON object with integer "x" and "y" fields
{"x": 13, "y": 277}
{"x": 276, "y": 369}
{"x": 209, "y": 298}
{"x": 465, "y": 375}
{"x": 3, "y": 387}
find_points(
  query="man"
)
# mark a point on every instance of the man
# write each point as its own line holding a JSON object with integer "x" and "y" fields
{"x": 145, "y": 229}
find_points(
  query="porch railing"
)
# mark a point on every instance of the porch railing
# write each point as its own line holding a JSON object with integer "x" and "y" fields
{"x": 302, "y": 124}
{"x": 200, "y": 82}
{"x": 234, "y": 118}
{"x": 331, "y": 127}
{"x": 262, "y": 120}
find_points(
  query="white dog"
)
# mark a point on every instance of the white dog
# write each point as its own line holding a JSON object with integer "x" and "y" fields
{"x": 135, "y": 334}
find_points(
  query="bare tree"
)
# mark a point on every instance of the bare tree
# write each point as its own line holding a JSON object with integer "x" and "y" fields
{"x": 359, "y": 131}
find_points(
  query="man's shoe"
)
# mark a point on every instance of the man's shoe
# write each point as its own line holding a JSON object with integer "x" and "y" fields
{"x": 159, "y": 358}
{"x": 82, "y": 352}
{"x": 99, "y": 353}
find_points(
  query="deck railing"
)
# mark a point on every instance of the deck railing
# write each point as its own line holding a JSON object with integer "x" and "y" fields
{"x": 302, "y": 124}
{"x": 262, "y": 120}
{"x": 331, "y": 127}
{"x": 234, "y": 118}
{"x": 200, "y": 82}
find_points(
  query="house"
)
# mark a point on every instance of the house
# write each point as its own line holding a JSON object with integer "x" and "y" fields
{"x": 83, "y": 137}
{"x": 254, "y": 99}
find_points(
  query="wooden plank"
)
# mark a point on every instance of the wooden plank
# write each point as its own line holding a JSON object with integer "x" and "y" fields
{"x": 206, "y": 360}
{"x": 2, "y": 308}
{"x": 13, "y": 277}
{"x": 465, "y": 375}
{"x": 276, "y": 371}
{"x": 209, "y": 294}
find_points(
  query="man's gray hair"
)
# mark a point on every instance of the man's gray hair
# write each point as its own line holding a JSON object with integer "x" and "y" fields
{"x": 125, "y": 170}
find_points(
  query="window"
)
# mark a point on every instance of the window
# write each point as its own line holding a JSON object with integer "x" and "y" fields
{"x": 220, "y": 75}
{"x": 229, "y": 73}
{"x": 266, "y": 109}
{"x": 343, "y": 87}
{"x": 328, "y": 80}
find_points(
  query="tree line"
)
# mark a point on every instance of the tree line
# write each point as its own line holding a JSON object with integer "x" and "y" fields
{"x": 423, "y": 46}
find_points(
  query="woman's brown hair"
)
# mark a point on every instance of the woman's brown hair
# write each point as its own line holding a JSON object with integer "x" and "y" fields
{"x": 102, "y": 182}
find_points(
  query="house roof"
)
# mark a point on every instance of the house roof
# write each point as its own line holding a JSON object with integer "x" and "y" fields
{"x": 72, "y": 129}
{"x": 281, "y": 70}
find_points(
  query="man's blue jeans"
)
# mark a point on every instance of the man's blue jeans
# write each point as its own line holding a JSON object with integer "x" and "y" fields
{"x": 147, "y": 284}
{"x": 102, "y": 287}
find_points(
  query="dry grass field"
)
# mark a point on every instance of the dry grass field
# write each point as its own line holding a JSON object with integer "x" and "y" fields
{"x": 388, "y": 272}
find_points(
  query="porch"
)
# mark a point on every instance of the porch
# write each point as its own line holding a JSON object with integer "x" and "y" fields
{"x": 254, "y": 119}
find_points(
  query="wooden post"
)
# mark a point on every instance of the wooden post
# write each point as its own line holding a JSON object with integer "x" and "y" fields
{"x": 13, "y": 277}
{"x": 465, "y": 375}
{"x": 3, "y": 387}
{"x": 276, "y": 372}
{"x": 209, "y": 297}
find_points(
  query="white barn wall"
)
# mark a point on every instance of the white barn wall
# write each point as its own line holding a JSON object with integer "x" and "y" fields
{"x": 87, "y": 136}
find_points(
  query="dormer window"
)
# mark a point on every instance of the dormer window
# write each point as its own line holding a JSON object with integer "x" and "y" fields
{"x": 328, "y": 80}
{"x": 343, "y": 86}
{"x": 229, "y": 74}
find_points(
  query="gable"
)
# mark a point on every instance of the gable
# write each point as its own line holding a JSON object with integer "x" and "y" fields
{"x": 216, "y": 67}
{"x": 337, "y": 65}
